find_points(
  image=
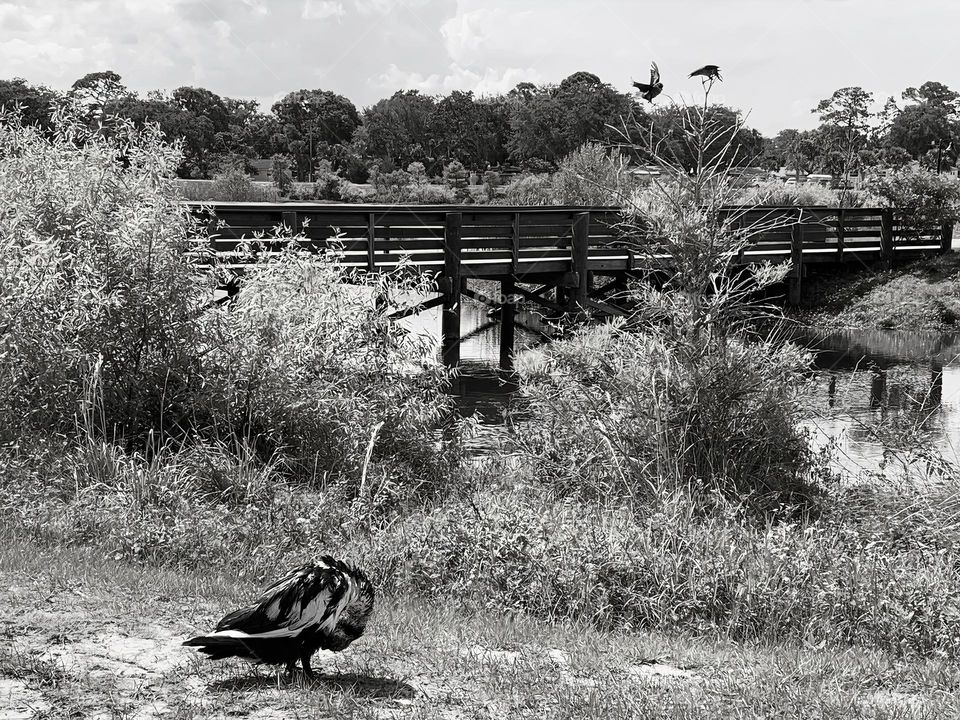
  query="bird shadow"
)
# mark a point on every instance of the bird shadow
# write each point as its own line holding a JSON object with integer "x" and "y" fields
{"x": 364, "y": 686}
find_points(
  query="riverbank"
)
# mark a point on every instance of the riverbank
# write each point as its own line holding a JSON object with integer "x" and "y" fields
{"x": 923, "y": 295}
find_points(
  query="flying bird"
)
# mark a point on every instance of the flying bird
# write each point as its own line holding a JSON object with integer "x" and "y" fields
{"x": 710, "y": 72}
{"x": 649, "y": 92}
{"x": 322, "y": 606}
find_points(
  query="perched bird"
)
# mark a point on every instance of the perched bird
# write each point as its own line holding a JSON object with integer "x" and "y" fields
{"x": 710, "y": 72}
{"x": 322, "y": 606}
{"x": 649, "y": 92}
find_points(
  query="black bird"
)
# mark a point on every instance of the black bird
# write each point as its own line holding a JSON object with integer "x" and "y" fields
{"x": 649, "y": 92}
{"x": 710, "y": 72}
{"x": 322, "y": 606}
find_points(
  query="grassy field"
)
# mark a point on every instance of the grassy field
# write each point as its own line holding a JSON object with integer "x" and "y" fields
{"x": 88, "y": 637}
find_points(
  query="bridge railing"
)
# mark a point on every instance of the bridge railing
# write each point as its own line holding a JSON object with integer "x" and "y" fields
{"x": 494, "y": 241}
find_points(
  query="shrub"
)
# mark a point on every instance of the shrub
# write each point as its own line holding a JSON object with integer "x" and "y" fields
{"x": 924, "y": 198}
{"x": 326, "y": 182}
{"x": 529, "y": 190}
{"x": 234, "y": 184}
{"x": 429, "y": 195}
{"x": 591, "y": 176}
{"x": 456, "y": 177}
{"x": 389, "y": 186}
{"x": 94, "y": 275}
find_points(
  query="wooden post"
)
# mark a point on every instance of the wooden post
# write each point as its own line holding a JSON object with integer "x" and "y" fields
{"x": 796, "y": 258}
{"x": 840, "y": 235}
{"x": 886, "y": 236}
{"x": 508, "y": 311}
{"x": 289, "y": 220}
{"x": 579, "y": 254}
{"x": 371, "y": 246}
{"x": 515, "y": 248}
{"x": 946, "y": 237}
{"x": 452, "y": 283}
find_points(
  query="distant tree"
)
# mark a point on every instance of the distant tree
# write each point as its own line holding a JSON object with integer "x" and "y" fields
{"x": 844, "y": 131}
{"x": 795, "y": 150}
{"x": 746, "y": 144}
{"x": 95, "y": 90}
{"x": 551, "y": 122}
{"x": 456, "y": 177}
{"x": 34, "y": 101}
{"x": 397, "y": 130}
{"x": 280, "y": 169}
{"x": 312, "y": 117}
{"x": 928, "y": 128}
{"x": 418, "y": 173}
{"x": 474, "y": 132}
{"x": 591, "y": 175}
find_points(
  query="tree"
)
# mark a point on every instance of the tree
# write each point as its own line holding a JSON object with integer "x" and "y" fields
{"x": 795, "y": 150}
{"x": 735, "y": 142}
{"x": 34, "y": 101}
{"x": 397, "y": 130}
{"x": 312, "y": 117}
{"x": 94, "y": 90}
{"x": 928, "y": 129}
{"x": 844, "y": 131}
{"x": 551, "y": 122}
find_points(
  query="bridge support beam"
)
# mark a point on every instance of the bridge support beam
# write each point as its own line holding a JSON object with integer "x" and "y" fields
{"x": 579, "y": 252}
{"x": 453, "y": 282}
{"x": 795, "y": 279}
{"x": 508, "y": 311}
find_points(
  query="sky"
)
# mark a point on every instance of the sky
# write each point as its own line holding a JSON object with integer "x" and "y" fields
{"x": 778, "y": 58}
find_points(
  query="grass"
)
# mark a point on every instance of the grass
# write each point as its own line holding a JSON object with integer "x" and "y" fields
{"x": 87, "y": 634}
{"x": 923, "y": 295}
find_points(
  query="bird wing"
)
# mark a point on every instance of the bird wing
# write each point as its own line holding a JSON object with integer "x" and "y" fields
{"x": 707, "y": 71}
{"x": 307, "y": 596}
{"x": 640, "y": 86}
{"x": 654, "y": 74}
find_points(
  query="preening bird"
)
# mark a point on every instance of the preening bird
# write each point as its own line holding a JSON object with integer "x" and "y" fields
{"x": 710, "y": 72}
{"x": 649, "y": 92}
{"x": 322, "y": 606}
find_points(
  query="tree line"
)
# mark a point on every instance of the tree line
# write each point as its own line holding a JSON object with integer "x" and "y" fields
{"x": 532, "y": 126}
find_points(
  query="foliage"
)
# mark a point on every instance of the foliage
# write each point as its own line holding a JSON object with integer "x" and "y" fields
{"x": 389, "y": 186}
{"x": 591, "y": 176}
{"x": 94, "y": 276}
{"x": 282, "y": 179}
{"x": 736, "y": 143}
{"x": 311, "y": 119}
{"x": 456, "y": 177}
{"x": 34, "y": 103}
{"x": 528, "y": 189}
{"x": 929, "y": 128}
{"x": 776, "y": 193}
{"x": 924, "y": 199}
{"x": 327, "y": 183}
{"x": 232, "y": 183}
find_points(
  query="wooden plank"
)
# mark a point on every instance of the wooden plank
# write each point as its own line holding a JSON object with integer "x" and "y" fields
{"x": 579, "y": 255}
{"x": 418, "y": 308}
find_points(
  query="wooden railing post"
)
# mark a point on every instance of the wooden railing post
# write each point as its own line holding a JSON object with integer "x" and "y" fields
{"x": 946, "y": 237}
{"x": 579, "y": 255}
{"x": 371, "y": 242}
{"x": 515, "y": 246}
{"x": 507, "y": 322}
{"x": 289, "y": 220}
{"x": 796, "y": 258}
{"x": 886, "y": 236}
{"x": 840, "y": 235}
{"x": 452, "y": 283}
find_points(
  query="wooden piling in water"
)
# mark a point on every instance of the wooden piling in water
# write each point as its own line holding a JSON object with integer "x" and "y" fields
{"x": 452, "y": 284}
{"x": 508, "y": 311}
{"x": 796, "y": 258}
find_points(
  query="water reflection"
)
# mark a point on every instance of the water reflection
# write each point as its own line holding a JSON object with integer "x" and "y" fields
{"x": 865, "y": 385}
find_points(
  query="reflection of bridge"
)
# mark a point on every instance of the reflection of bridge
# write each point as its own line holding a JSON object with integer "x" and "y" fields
{"x": 550, "y": 256}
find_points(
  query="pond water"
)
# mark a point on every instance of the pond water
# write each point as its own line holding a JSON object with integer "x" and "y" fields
{"x": 864, "y": 385}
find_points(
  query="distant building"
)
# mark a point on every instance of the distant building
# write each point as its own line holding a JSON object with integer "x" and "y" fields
{"x": 262, "y": 170}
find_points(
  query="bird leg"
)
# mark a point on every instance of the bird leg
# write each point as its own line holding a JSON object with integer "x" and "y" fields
{"x": 289, "y": 670}
{"x": 305, "y": 662}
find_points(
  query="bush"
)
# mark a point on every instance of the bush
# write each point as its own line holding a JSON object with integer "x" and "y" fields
{"x": 97, "y": 294}
{"x": 429, "y": 195}
{"x": 327, "y": 183}
{"x": 234, "y": 184}
{"x": 591, "y": 176}
{"x": 529, "y": 190}
{"x": 924, "y": 198}
{"x": 775, "y": 193}
{"x": 456, "y": 177}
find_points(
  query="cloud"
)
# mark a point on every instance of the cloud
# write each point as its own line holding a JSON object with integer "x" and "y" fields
{"x": 321, "y": 9}
{"x": 490, "y": 82}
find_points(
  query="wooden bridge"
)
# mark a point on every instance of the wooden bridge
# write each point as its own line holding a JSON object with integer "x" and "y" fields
{"x": 558, "y": 253}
